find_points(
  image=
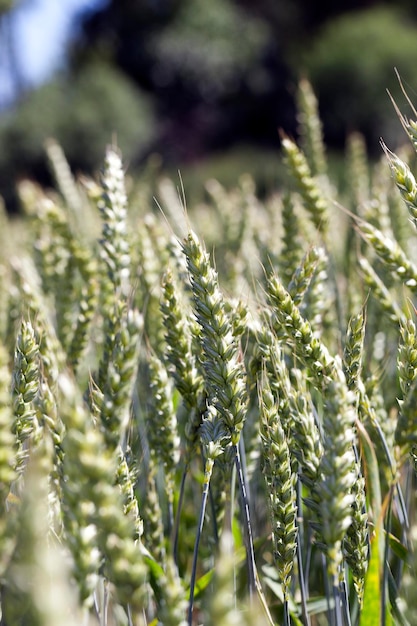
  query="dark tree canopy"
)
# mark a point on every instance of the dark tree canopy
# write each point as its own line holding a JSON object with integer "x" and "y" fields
{"x": 211, "y": 68}
{"x": 224, "y": 71}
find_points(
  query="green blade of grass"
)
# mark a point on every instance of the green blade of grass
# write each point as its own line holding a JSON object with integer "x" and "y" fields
{"x": 371, "y": 610}
{"x": 372, "y": 603}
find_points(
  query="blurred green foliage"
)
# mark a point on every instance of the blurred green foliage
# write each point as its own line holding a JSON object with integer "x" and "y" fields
{"x": 202, "y": 46}
{"x": 351, "y": 64}
{"x": 83, "y": 113}
{"x": 6, "y": 6}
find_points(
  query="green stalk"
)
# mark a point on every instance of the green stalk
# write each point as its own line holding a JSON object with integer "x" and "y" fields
{"x": 301, "y": 573}
{"x": 204, "y": 498}
{"x": 247, "y": 523}
{"x": 176, "y": 527}
{"x": 386, "y": 567}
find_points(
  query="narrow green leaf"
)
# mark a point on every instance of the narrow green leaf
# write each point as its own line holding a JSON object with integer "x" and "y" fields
{"x": 371, "y": 611}
{"x": 203, "y": 582}
{"x": 371, "y": 473}
{"x": 372, "y": 606}
{"x": 398, "y": 548}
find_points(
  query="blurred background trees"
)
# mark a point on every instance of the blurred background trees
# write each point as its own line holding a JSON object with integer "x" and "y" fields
{"x": 191, "y": 79}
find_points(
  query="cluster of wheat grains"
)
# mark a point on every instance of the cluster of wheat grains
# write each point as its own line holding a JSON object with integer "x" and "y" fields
{"x": 208, "y": 416}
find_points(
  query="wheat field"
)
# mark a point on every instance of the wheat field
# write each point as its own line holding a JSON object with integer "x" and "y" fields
{"x": 208, "y": 413}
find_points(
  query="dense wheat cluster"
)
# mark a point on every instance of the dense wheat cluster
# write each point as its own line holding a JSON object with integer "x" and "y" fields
{"x": 208, "y": 416}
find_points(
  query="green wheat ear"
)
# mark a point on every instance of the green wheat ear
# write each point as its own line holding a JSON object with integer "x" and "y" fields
{"x": 391, "y": 254}
{"x": 224, "y": 375}
{"x": 223, "y": 369}
{"x": 310, "y": 128}
{"x": 8, "y": 463}
{"x": 114, "y": 247}
{"x": 312, "y": 196}
{"x": 183, "y": 363}
{"x": 405, "y": 181}
{"x": 332, "y": 496}
{"x": 292, "y": 247}
{"x": 280, "y": 480}
{"x": 162, "y": 426}
{"x": 173, "y": 604}
{"x": 25, "y": 389}
{"x": 100, "y": 534}
{"x": 354, "y": 349}
{"x": 356, "y": 541}
{"x": 380, "y": 291}
{"x": 304, "y": 273}
{"x": 406, "y": 432}
{"x": 119, "y": 381}
{"x": 359, "y": 174}
{"x": 286, "y": 319}
{"x": 39, "y": 589}
{"x": 64, "y": 178}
